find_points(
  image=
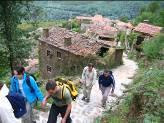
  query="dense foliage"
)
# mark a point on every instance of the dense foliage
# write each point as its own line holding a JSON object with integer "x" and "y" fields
{"x": 153, "y": 13}
{"x": 154, "y": 48}
{"x": 68, "y": 9}
{"x": 71, "y": 25}
{"x": 15, "y": 47}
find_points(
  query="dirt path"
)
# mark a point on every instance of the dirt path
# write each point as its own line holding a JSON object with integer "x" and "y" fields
{"x": 86, "y": 112}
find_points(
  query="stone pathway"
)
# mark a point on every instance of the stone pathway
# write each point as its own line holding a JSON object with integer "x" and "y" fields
{"x": 83, "y": 112}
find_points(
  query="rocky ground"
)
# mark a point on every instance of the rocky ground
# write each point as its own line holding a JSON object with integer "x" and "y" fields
{"x": 83, "y": 112}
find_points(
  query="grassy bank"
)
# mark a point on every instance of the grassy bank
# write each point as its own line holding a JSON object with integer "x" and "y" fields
{"x": 44, "y": 24}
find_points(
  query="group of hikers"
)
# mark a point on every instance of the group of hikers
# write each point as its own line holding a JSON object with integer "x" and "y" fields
{"x": 24, "y": 87}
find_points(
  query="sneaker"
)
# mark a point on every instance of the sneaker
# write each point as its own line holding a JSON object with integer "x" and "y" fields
{"x": 83, "y": 98}
{"x": 87, "y": 100}
{"x": 103, "y": 105}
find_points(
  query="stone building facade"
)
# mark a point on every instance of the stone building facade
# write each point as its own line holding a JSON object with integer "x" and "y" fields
{"x": 64, "y": 52}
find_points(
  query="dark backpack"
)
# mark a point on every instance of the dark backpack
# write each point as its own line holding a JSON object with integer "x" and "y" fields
{"x": 29, "y": 83}
{"x": 18, "y": 104}
{"x": 30, "y": 86}
{"x": 32, "y": 75}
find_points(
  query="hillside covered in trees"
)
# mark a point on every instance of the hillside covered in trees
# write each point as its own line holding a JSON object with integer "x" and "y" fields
{"x": 112, "y": 9}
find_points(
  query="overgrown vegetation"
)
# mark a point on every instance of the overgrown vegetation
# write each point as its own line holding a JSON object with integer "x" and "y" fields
{"x": 43, "y": 24}
{"x": 145, "y": 96}
{"x": 72, "y": 25}
{"x": 153, "y": 13}
{"x": 154, "y": 48}
{"x": 127, "y": 41}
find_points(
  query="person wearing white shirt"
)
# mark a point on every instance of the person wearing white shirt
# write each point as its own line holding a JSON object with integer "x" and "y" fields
{"x": 6, "y": 110}
{"x": 88, "y": 79}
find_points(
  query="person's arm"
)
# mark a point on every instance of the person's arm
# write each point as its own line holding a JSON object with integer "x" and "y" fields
{"x": 12, "y": 85}
{"x": 68, "y": 99}
{"x": 44, "y": 102}
{"x": 37, "y": 90}
{"x": 83, "y": 74}
{"x": 100, "y": 81}
{"x": 69, "y": 107}
{"x": 94, "y": 76}
{"x": 113, "y": 84}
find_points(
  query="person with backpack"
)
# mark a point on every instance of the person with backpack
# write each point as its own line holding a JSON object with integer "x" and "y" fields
{"x": 25, "y": 85}
{"x": 88, "y": 80}
{"x": 62, "y": 102}
{"x": 106, "y": 82}
{"x": 6, "y": 109}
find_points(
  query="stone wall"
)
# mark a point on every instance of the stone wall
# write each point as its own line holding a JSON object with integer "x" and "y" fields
{"x": 118, "y": 56}
{"x": 68, "y": 64}
{"x": 61, "y": 62}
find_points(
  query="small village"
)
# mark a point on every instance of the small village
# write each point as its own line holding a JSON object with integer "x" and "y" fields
{"x": 85, "y": 66}
{"x": 63, "y": 48}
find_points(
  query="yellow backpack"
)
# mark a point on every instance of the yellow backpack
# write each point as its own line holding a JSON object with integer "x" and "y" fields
{"x": 69, "y": 85}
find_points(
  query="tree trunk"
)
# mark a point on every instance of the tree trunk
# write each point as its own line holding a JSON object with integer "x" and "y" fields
{"x": 126, "y": 44}
{"x": 7, "y": 29}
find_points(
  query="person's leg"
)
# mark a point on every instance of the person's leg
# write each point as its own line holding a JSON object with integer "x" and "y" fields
{"x": 84, "y": 92}
{"x": 89, "y": 93}
{"x": 32, "y": 114}
{"x": 54, "y": 111}
{"x": 63, "y": 111}
{"x": 102, "y": 89}
{"x": 105, "y": 95}
{"x": 27, "y": 117}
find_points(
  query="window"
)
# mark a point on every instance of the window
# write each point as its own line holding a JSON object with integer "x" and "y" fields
{"x": 102, "y": 51}
{"x": 140, "y": 39}
{"x": 106, "y": 38}
{"x": 48, "y": 52}
{"x": 59, "y": 54}
{"x": 49, "y": 69}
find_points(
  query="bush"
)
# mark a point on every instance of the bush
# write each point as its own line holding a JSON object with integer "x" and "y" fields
{"x": 152, "y": 48}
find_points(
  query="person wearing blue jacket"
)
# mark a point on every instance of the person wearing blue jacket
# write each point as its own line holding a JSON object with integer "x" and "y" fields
{"x": 19, "y": 85}
{"x": 106, "y": 82}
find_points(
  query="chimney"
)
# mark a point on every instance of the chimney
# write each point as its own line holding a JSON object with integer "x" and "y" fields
{"x": 67, "y": 41}
{"x": 146, "y": 21}
{"x": 46, "y": 33}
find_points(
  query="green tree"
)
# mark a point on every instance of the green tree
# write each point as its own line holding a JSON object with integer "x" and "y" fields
{"x": 72, "y": 25}
{"x": 15, "y": 46}
{"x": 124, "y": 19}
{"x": 153, "y": 13}
{"x": 154, "y": 48}
{"x": 153, "y": 7}
{"x": 34, "y": 15}
{"x": 132, "y": 39}
{"x": 121, "y": 37}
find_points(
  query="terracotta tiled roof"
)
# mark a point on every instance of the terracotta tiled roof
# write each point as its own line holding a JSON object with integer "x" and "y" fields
{"x": 80, "y": 44}
{"x": 147, "y": 29}
{"x": 102, "y": 30}
{"x": 122, "y": 25}
{"x": 108, "y": 43}
{"x": 94, "y": 19}
{"x": 83, "y": 17}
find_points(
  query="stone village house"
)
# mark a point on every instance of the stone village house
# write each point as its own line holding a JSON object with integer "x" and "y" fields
{"x": 103, "y": 28}
{"x": 146, "y": 31}
{"x": 62, "y": 51}
{"x": 97, "y": 20}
